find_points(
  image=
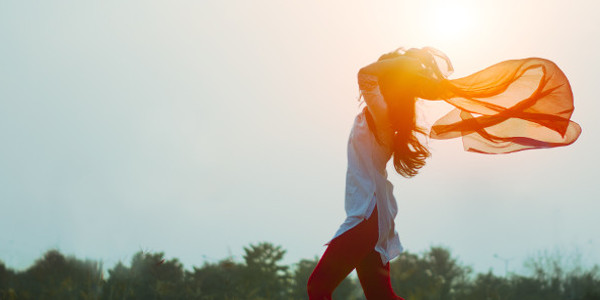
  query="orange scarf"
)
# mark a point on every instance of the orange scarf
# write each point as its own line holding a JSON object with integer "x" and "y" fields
{"x": 511, "y": 106}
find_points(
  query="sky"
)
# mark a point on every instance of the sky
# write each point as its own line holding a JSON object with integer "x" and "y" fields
{"x": 196, "y": 128}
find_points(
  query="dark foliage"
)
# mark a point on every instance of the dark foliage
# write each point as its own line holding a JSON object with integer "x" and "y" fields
{"x": 54, "y": 276}
{"x": 434, "y": 275}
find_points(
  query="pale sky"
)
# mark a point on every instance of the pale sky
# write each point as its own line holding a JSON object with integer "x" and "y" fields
{"x": 199, "y": 127}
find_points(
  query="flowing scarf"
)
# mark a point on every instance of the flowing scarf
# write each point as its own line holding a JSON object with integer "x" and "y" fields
{"x": 511, "y": 106}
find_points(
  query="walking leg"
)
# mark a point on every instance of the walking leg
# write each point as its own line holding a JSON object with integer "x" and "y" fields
{"x": 342, "y": 255}
{"x": 374, "y": 278}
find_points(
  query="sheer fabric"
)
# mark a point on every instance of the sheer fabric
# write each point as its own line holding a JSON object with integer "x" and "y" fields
{"x": 511, "y": 106}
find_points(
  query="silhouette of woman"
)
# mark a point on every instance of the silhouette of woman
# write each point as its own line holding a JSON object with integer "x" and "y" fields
{"x": 511, "y": 106}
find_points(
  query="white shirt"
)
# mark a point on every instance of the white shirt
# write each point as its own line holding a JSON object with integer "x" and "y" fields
{"x": 366, "y": 177}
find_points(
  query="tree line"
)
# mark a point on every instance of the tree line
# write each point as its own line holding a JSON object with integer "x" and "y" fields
{"x": 432, "y": 275}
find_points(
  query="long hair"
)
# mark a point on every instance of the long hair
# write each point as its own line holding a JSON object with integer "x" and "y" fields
{"x": 409, "y": 153}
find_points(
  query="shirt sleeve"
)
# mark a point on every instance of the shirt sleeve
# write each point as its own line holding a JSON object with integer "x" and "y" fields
{"x": 369, "y": 89}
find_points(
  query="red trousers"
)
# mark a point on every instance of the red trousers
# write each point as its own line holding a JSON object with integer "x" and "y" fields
{"x": 354, "y": 249}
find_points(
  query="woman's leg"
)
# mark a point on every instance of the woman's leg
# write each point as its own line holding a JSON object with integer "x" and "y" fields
{"x": 375, "y": 277}
{"x": 342, "y": 255}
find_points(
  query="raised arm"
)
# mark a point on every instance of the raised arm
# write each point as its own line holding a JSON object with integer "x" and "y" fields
{"x": 383, "y": 79}
{"x": 401, "y": 75}
{"x": 405, "y": 75}
{"x": 392, "y": 67}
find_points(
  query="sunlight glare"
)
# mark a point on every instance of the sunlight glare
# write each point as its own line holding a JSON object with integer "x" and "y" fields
{"x": 451, "y": 20}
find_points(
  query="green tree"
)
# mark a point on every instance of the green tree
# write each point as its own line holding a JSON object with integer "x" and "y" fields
{"x": 435, "y": 276}
{"x": 149, "y": 277}
{"x": 584, "y": 286}
{"x": 265, "y": 277}
{"x": 300, "y": 277}
{"x": 558, "y": 276}
{"x": 486, "y": 287}
{"x": 7, "y": 281}
{"x": 220, "y": 281}
{"x": 119, "y": 284}
{"x": 58, "y": 277}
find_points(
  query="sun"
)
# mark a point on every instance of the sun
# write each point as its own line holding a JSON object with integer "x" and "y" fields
{"x": 451, "y": 20}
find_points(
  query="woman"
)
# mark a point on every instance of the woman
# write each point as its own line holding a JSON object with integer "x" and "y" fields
{"x": 512, "y": 106}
